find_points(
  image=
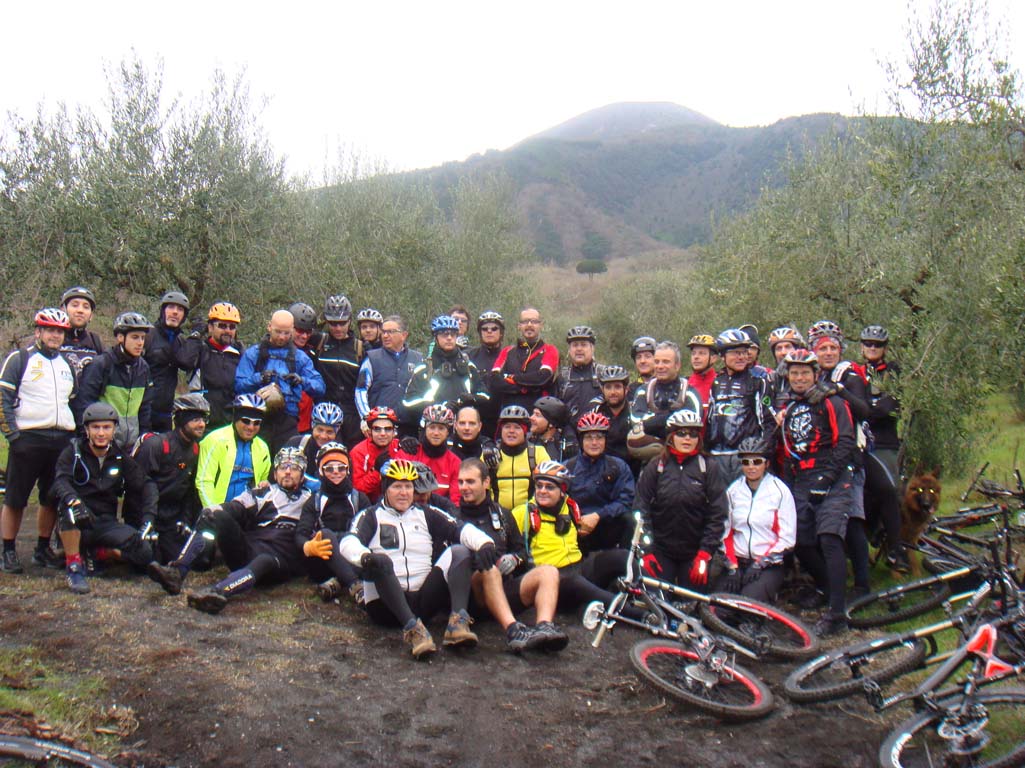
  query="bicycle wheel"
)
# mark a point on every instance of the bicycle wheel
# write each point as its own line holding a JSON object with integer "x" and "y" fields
{"x": 991, "y": 737}
{"x": 758, "y": 625}
{"x": 844, "y": 671}
{"x": 731, "y": 693}
{"x": 903, "y": 601}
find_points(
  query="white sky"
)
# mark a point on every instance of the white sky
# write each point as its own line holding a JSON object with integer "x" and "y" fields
{"x": 420, "y": 83}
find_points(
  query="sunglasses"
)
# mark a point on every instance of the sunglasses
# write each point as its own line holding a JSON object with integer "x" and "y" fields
{"x": 382, "y": 429}
{"x": 756, "y": 462}
{"x": 249, "y": 422}
{"x": 335, "y": 466}
{"x": 226, "y": 326}
{"x": 489, "y": 329}
{"x": 336, "y": 323}
{"x": 289, "y": 465}
{"x": 689, "y": 432}
{"x": 872, "y": 344}
{"x": 545, "y": 485}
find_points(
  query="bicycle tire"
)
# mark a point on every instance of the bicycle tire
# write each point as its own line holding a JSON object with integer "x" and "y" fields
{"x": 737, "y": 694}
{"x": 41, "y": 752}
{"x": 915, "y": 742}
{"x": 897, "y": 603}
{"x": 750, "y": 622}
{"x": 843, "y": 672}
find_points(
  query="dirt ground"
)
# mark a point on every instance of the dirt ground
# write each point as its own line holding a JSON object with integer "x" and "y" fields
{"x": 282, "y": 679}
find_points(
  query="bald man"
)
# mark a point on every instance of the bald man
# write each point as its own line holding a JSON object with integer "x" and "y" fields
{"x": 280, "y": 373}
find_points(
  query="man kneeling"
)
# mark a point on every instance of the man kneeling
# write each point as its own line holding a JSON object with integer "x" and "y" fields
{"x": 394, "y": 541}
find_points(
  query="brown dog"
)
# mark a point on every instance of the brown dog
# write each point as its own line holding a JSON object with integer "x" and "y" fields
{"x": 920, "y": 502}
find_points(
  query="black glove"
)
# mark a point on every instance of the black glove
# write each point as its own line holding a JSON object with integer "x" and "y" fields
{"x": 484, "y": 559}
{"x": 382, "y": 458}
{"x": 820, "y": 488}
{"x": 267, "y": 377}
{"x": 732, "y": 581}
{"x": 293, "y": 378}
{"x": 821, "y": 391}
{"x": 80, "y": 515}
{"x": 492, "y": 457}
{"x": 409, "y": 445}
{"x": 374, "y": 565}
{"x": 751, "y": 575}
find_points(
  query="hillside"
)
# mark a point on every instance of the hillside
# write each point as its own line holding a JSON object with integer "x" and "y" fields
{"x": 639, "y": 177}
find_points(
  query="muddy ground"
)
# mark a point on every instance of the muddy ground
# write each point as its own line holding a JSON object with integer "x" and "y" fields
{"x": 282, "y": 679}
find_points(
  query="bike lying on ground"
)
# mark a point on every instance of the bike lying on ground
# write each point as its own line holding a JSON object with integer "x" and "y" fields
{"x": 694, "y": 659}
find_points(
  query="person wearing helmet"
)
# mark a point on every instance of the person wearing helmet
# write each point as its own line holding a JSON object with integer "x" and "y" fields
{"x": 444, "y": 376}
{"x": 642, "y": 352}
{"x": 368, "y": 326}
{"x": 170, "y": 460}
{"x": 821, "y": 450}
{"x": 517, "y": 457}
{"x": 325, "y": 518}
{"x": 91, "y": 475}
{"x": 386, "y": 372}
{"x": 526, "y": 370}
{"x": 214, "y": 360}
{"x": 513, "y": 585}
{"x": 80, "y": 344}
{"x": 405, "y": 582}
{"x": 602, "y": 486}
{"x": 233, "y": 458}
{"x": 739, "y": 406}
{"x": 702, "y": 365}
{"x": 307, "y": 338}
{"x": 782, "y": 341}
{"x": 255, "y": 532}
{"x": 754, "y": 350}
{"x": 326, "y": 420}
{"x": 276, "y": 369}
{"x": 579, "y": 386}
{"x": 653, "y": 403}
{"x": 682, "y": 499}
{"x": 761, "y": 528}
{"x": 615, "y": 385}
{"x": 550, "y": 428}
{"x": 338, "y": 358}
{"x": 121, "y": 377}
{"x": 37, "y": 384}
{"x": 368, "y": 455}
{"x": 167, "y": 353}
{"x": 431, "y": 449}
{"x": 425, "y": 489}
{"x": 491, "y": 331}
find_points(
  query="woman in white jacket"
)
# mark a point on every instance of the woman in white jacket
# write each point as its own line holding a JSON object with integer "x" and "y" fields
{"x": 760, "y": 529}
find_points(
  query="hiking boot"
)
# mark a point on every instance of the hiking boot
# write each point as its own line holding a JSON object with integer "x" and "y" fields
{"x": 830, "y": 624}
{"x": 207, "y": 600}
{"x": 897, "y": 560}
{"x": 552, "y": 638}
{"x": 76, "y": 579}
{"x": 520, "y": 637}
{"x": 167, "y": 576}
{"x": 329, "y": 590}
{"x": 813, "y": 601}
{"x": 356, "y": 593}
{"x": 47, "y": 558}
{"x": 457, "y": 633}
{"x": 419, "y": 640}
{"x": 11, "y": 563}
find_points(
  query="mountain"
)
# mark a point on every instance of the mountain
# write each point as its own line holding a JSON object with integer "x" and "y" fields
{"x": 632, "y": 178}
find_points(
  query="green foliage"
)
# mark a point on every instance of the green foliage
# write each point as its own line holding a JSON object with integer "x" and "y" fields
{"x": 596, "y": 247}
{"x": 591, "y": 267}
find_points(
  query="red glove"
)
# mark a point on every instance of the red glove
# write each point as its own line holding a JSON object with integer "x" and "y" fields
{"x": 651, "y": 566}
{"x": 699, "y": 569}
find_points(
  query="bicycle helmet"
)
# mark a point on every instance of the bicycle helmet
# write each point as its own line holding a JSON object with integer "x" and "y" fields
{"x": 555, "y": 472}
{"x": 825, "y": 329}
{"x": 192, "y": 402}
{"x": 593, "y": 422}
{"x": 425, "y": 482}
{"x": 444, "y": 323}
{"x": 702, "y": 340}
{"x": 381, "y": 412}
{"x": 225, "y": 312}
{"x": 337, "y": 308}
{"x": 514, "y": 413}
{"x": 801, "y": 357}
{"x": 127, "y": 322}
{"x": 249, "y": 403}
{"x": 732, "y": 338}
{"x": 752, "y": 333}
{"x": 875, "y": 333}
{"x": 581, "y": 333}
{"x": 100, "y": 411}
{"x": 611, "y": 373}
{"x": 553, "y": 409}
{"x": 683, "y": 419}
{"x": 398, "y": 469}
{"x": 290, "y": 456}
{"x": 753, "y": 445}
{"x": 439, "y": 413}
{"x": 328, "y": 414}
{"x": 369, "y": 315}
{"x": 332, "y": 450}
{"x": 490, "y": 316}
{"x": 51, "y": 317}
{"x": 785, "y": 333}
{"x": 303, "y": 316}
{"x": 175, "y": 297}
{"x": 78, "y": 292}
{"x": 642, "y": 344}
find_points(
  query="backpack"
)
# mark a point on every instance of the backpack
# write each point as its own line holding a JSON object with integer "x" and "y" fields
{"x": 264, "y": 355}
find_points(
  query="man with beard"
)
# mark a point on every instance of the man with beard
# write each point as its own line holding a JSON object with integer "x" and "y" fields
{"x": 579, "y": 382}
{"x": 213, "y": 361}
{"x": 233, "y": 459}
{"x": 80, "y": 344}
{"x": 166, "y": 354}
{"x": 525, "y": 371}
{"x": 615, "y": 382}
{"x": 550, "y": 428}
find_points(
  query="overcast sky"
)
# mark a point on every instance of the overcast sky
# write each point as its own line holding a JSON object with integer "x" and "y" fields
{"x": 420, "y": 83}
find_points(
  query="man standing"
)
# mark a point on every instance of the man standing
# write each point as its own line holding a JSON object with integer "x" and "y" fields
{"x": 215, "y": 360}
{"x": 368, "y": 323}
{"x": 80, "y": 344}
{"x": 338, "y": 359}
{"x": 702, "y": 365}
{"x": 166, "y": 354}
{"x": 525, "y": 371}
{"x": 386, "y": 372}
{"x": 36, "y": 386}
{"x": 579, "y": 382}
{"x": 491, "y": 331}
{"x": 642, "y": 351}
{"x": 615, "y": 381}
{"x": 278, "y": 370}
